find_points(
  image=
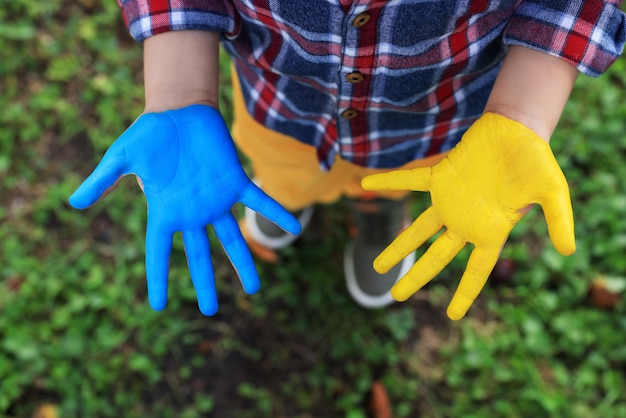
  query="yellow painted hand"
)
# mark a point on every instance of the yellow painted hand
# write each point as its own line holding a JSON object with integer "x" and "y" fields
{"x": 483, "y": 187}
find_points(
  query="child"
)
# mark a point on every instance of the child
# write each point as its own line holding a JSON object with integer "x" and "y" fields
{"x": 328, "y": 93}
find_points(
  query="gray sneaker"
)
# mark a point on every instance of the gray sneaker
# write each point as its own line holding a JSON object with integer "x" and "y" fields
{"x": 377, "y": 223}
{"x": 269, "y": 234}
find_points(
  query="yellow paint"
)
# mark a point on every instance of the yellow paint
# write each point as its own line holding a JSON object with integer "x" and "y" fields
{"x": 483, "y": 187}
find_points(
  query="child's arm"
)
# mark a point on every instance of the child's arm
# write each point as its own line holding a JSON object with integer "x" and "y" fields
{"x": 182, "y": 153}
{"x": 488, "y": 182}
{"x": 532, "y": 88}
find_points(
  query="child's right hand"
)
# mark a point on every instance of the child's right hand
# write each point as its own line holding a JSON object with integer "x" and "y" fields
{"x": 191, "y": 178}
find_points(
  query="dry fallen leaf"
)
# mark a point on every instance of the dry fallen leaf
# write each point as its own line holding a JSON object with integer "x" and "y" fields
{"x": 604, "y": 293}
{"x": 379, "y": 401}
{"x": 46, "y": 411}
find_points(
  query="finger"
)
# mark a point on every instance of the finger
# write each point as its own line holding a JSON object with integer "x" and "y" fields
{"x": 158, "y": 248}
{"x": 228, "y": 233}
{"x": 480, "y": 264}
{"x": 198, "y": 254}
{"x": 557, "y": 209}
{"x": 443, "y": 250}
{"x": 417, "y": 179}
{"x": 424, "y": 227}
{"x": 257, "y": 200}
{"x": 112, "y": 166}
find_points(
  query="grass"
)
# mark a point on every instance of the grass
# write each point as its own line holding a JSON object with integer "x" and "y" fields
{"x": 76, "y": 330}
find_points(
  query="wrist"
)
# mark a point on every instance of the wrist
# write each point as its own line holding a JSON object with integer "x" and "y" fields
{"x": 532, "y": 122}
{"x": 532, "y": 88}
{"x": 181, "y": 68}
{"x": 178, "y": 97}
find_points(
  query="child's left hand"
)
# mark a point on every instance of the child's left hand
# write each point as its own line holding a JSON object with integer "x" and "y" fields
{"x": 483, "y": 187}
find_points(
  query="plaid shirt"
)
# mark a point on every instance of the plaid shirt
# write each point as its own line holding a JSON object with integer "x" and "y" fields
{"x": 381, "y": 83}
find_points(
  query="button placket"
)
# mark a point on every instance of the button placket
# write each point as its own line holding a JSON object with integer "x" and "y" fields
{"x": 355, "y": 77}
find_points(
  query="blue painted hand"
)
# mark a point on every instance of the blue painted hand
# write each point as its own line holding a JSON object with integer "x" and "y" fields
{"x": 191, "y": 177}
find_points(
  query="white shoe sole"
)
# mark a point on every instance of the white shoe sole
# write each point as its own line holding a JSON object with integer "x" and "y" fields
{"x": 360, "y": 297}
{"x": 282, "y": 241}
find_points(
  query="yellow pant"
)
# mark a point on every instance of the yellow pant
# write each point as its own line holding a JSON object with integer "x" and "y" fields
{"x": 288, "y": 170}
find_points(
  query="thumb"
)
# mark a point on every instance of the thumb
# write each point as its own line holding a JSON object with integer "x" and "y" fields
{"x": 112, "y": 166}
{"x": 557, "y": 209}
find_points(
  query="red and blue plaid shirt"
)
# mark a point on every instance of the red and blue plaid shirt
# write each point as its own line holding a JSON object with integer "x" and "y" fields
{"x": 383, "y": 82}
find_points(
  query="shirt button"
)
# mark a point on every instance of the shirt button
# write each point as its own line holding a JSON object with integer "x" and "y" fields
{"x": 349, "y": 113}
{"x": 355, "y": 77}
{"x": 361, "y": 19}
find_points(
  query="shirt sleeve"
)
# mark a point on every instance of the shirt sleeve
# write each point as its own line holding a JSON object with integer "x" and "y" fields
{"x": 588, "y": 34}
{"x": 145, "y": 18}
